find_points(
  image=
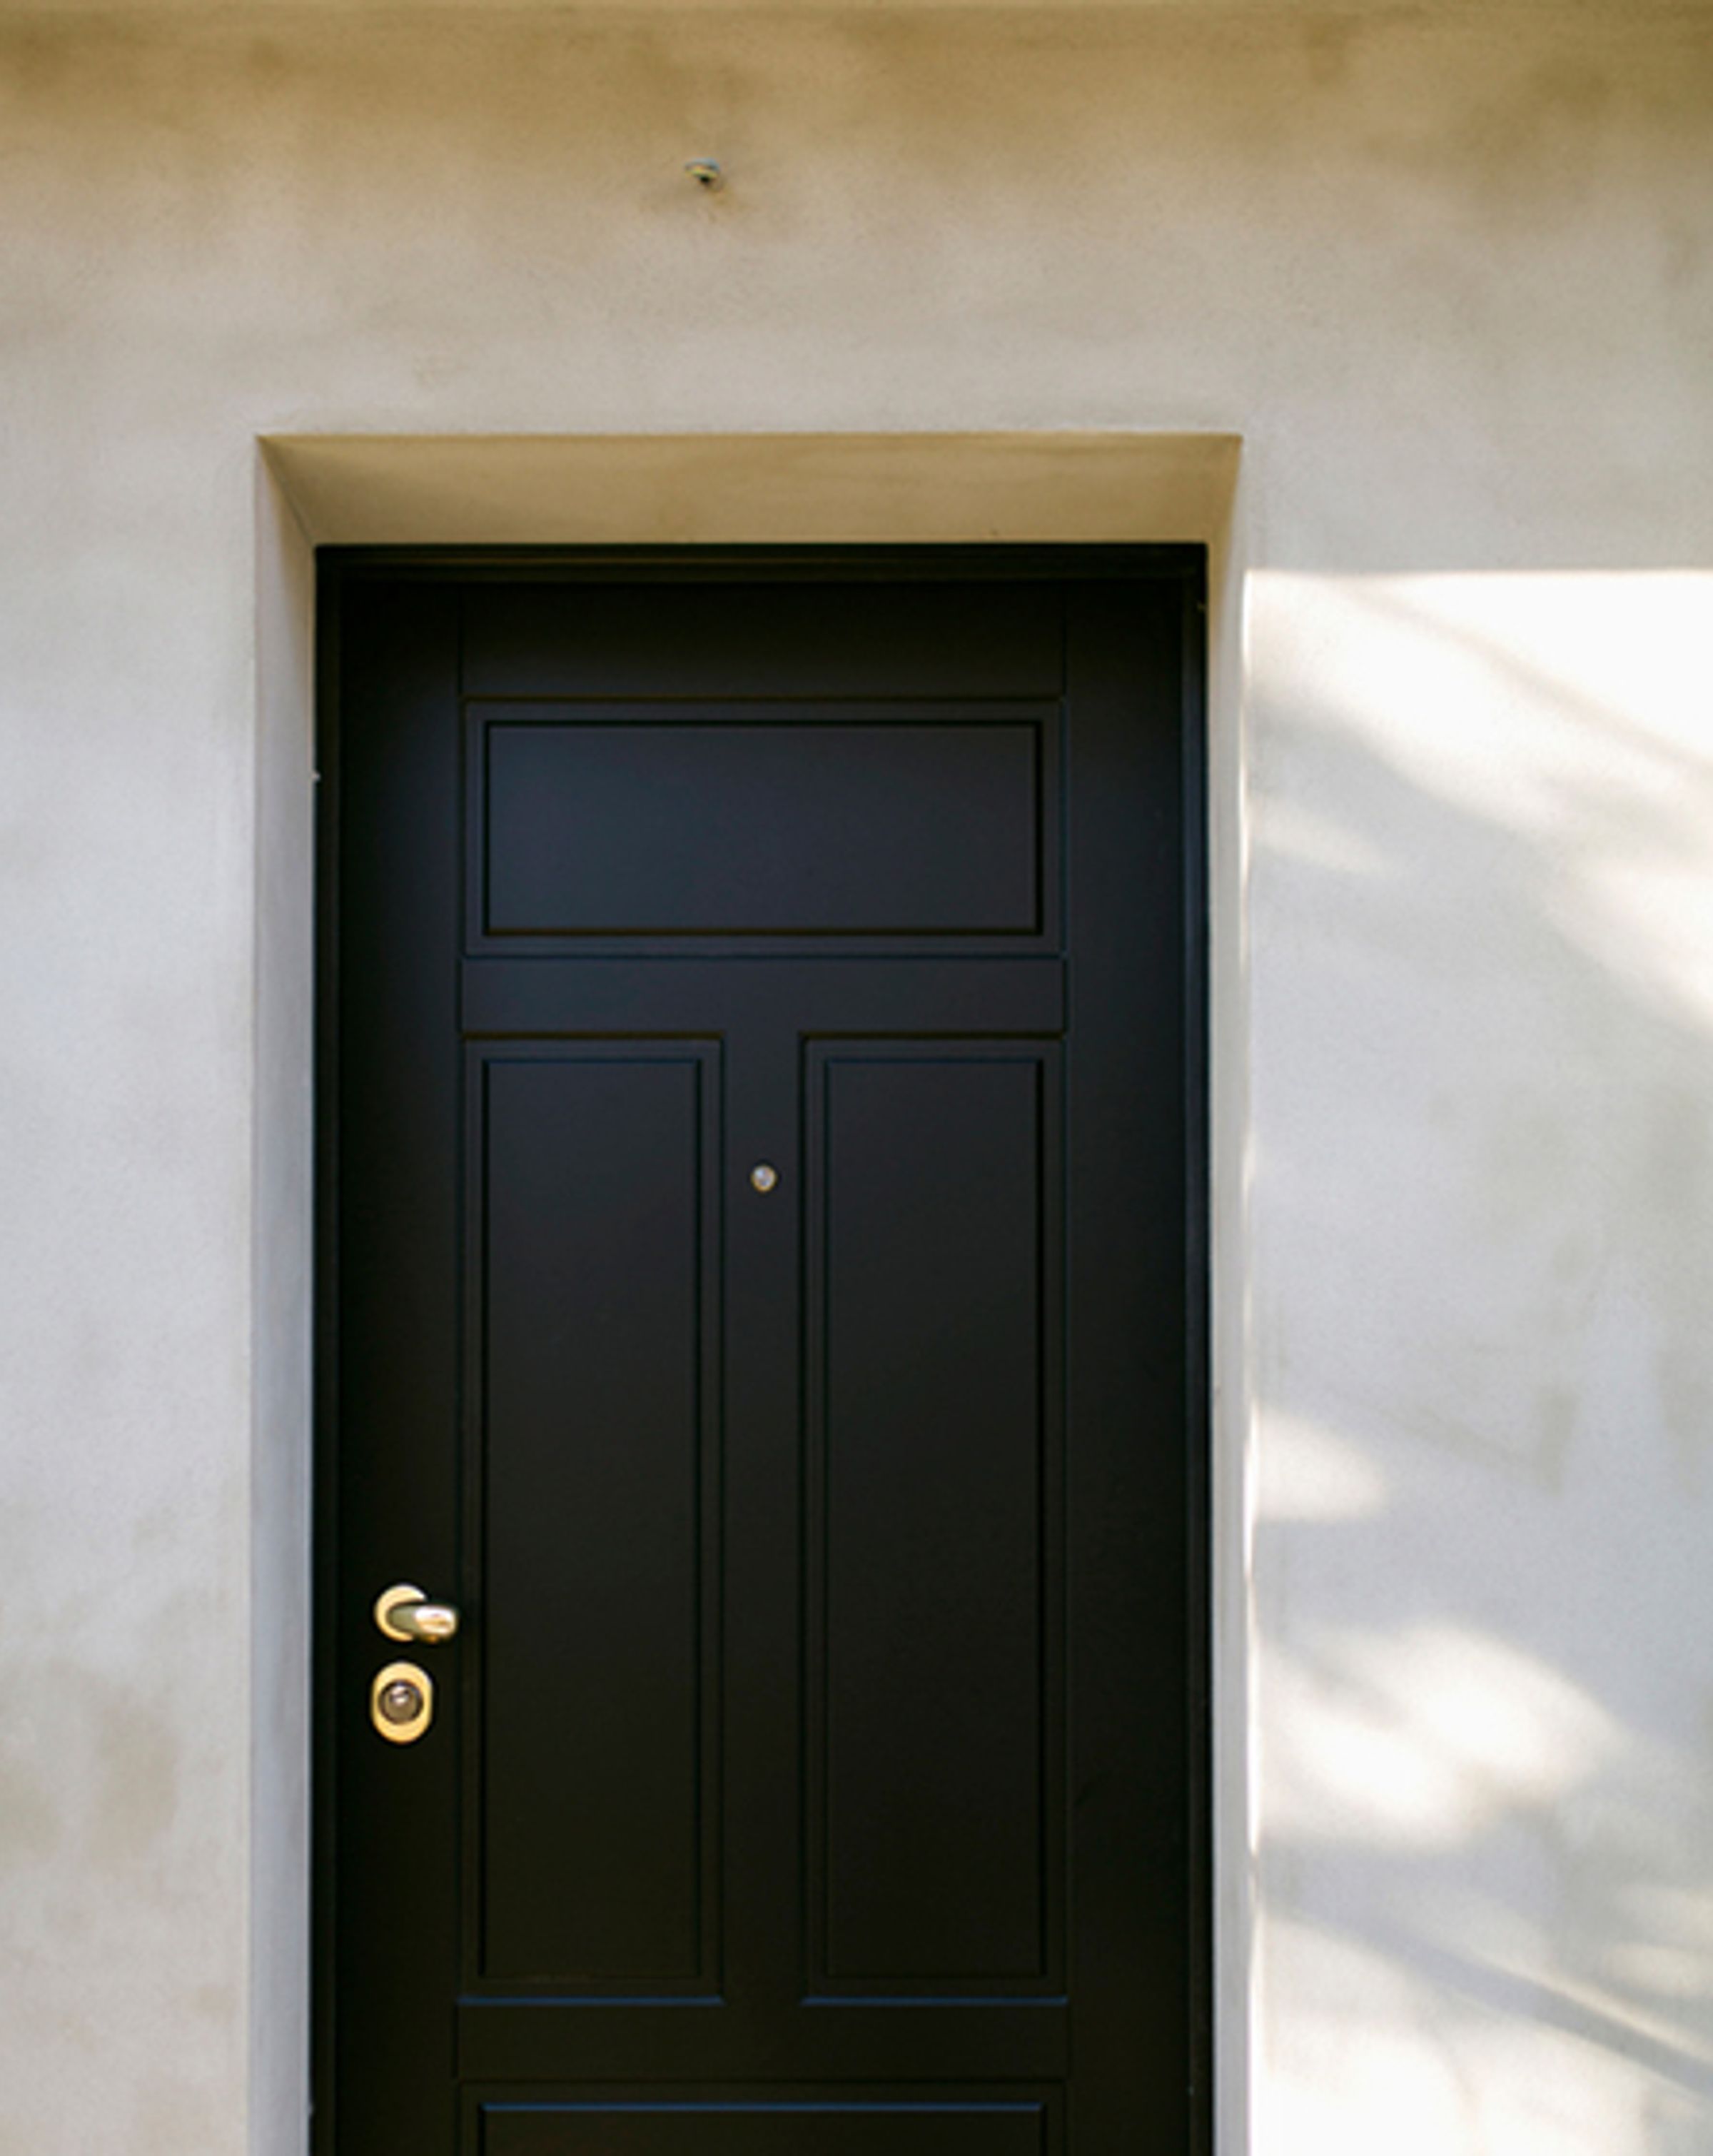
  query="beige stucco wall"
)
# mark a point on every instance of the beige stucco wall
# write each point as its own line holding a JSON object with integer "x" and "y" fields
{"x": 1449, "y": 276}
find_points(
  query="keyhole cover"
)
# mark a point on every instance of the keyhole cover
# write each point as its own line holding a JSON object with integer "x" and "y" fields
{"x": 401, "y": 1701}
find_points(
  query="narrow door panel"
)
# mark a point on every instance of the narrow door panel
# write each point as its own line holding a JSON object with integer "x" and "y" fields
{"x": 596, "y": 1307}
{"x": 935, "y": 1848}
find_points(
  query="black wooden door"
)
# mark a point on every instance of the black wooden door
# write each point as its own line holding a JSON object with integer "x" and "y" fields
{"x": 761, "y": 1290}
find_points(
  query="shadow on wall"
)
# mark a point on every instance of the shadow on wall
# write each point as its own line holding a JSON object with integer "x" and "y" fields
{"x": 1482, "y": 1233}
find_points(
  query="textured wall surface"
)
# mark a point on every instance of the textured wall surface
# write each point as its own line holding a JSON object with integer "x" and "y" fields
{"x": 1449, "y": 275}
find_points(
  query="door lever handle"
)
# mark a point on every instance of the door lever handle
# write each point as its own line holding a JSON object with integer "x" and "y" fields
{"x": 405, "y": 1613}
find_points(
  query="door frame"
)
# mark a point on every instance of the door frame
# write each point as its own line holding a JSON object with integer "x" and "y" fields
{"x": 1185, "y": 564}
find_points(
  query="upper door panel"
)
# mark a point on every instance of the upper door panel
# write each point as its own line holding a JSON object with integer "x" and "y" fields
{"x": 743, "y": 765}
{"x": 644, "y": 821}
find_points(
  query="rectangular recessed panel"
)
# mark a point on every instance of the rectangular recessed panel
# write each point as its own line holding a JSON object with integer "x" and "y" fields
{"x": 931, "y": 1518}
{"x": 596, "y": 1859}
{"x": 973, "y": 2128}
{"x": 736, "y": 825}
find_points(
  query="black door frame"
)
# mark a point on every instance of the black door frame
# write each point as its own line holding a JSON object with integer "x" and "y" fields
{"x": 1185, "y": 566}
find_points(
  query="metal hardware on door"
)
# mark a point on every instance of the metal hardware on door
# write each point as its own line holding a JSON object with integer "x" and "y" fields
{"x": 401, "y": 1702}
{"x": 764, "y": 1175}
{"x": 405, "y": 1613}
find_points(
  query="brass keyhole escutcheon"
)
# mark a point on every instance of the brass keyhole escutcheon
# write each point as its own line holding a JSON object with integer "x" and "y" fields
{"x": 401, "y": 1702}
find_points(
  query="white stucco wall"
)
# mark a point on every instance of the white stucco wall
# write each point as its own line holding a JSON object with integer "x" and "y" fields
{"x": 1449, "y": 275}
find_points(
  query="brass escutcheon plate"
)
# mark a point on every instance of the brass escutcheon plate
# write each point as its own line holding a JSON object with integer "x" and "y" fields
{"x": 384, "y": 1710}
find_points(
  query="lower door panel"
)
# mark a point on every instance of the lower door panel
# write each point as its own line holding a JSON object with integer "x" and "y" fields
{"x": 962, "y": 2124}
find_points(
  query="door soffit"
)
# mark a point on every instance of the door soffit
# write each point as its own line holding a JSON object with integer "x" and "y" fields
{"x": 1074, "y": 488}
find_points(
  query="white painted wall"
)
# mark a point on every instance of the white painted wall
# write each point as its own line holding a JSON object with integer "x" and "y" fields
{"x": 1449, "y": 275}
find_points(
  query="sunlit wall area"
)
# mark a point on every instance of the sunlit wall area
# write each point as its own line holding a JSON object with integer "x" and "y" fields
{"x": 1482, "y": 1210}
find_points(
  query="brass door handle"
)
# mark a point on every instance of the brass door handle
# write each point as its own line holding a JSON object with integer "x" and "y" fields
{"x": 405, "y": 1613}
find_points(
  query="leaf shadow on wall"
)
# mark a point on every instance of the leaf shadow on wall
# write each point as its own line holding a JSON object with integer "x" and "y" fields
{"x": 1482, "y": 1246}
